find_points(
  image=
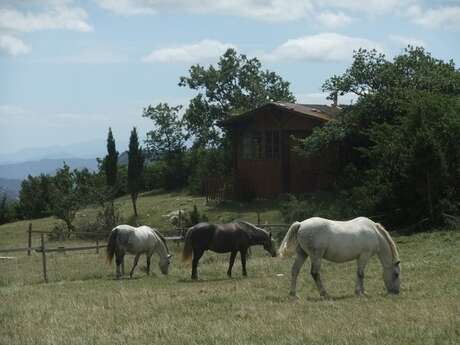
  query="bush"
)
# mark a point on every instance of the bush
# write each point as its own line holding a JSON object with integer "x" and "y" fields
{"x": 107, "y": 218}
{"x": 318, "y": 205}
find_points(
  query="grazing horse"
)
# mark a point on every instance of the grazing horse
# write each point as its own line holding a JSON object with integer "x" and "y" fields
{"x": 336, "y": 241}
{"x": 142, "y": 240}
{"x": 223, "y": 238}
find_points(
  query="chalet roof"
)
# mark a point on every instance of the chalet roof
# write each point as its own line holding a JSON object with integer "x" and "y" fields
{"x": 319, "y": 112}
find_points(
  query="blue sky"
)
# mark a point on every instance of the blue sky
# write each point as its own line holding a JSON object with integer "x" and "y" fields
{"x": 70, "y": 69}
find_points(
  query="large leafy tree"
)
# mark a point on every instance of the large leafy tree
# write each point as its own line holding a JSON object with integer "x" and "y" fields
{"x": 135, "y": 168}
{"x": 167, "y": 136}
{"x": 403, "y": 132}
{"x": 235, "y": 85}
{"x": 166, "y": 144}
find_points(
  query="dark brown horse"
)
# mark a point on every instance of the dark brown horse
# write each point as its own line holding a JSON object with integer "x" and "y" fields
{"x": 223, "y": 238}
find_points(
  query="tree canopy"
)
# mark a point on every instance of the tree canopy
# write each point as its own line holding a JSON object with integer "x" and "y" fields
{"x": 167, "y": 136}
{"x": 403, "y": 131}
{"x": 235, "y": 85}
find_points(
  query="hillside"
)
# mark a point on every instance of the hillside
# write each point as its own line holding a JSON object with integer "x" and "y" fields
{"x": 84, "y": 304}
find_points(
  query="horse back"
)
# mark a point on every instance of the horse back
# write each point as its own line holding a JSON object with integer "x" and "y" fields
{"x": 220, "y": 238}
{"x": 339, "y": 240}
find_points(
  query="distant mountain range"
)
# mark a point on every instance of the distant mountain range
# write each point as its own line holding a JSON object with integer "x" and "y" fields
{"x": 87, "y": 149}
{"x": 43, "y": 166}
{"x": 11, "y": 175}
{"x": 10, "y": 187}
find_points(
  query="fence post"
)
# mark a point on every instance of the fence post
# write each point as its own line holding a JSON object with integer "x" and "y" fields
{"x": 97, "y": 246}
{"x": 29, "y": 242}
{"x": 44, "y": 257}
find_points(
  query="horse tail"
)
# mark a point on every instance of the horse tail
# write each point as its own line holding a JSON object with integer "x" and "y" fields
{"x": 187, "y": 251}
{"x": 111, "y": 245}
{"x": 290, "y": 239}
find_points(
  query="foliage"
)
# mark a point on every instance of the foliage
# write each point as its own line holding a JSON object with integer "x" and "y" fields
{"x": 195, "y": 217}
{"x": 298, "y": 208}
{"x": 135, "y": 168}
{"x": 68, "y": 194}
{"x": 35, "y": 197}
{"x": 402, "y": 134}
{"x": 107, "y": 218}
{"x": 168, "y": 136}
{"x": 7, "y": 209}
{"x": 235, "y": 85}
{"x": 205, "y": 162}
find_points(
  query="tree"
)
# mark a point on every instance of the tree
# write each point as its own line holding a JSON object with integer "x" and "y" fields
{"x": 168, "y": 136}
{"x": 236, "y": 85}
{"x": 67, "y": 196}
{"x": 135, "y": 168}
{"x": 402, "y": 132}
{"x": 166, "y": 144}
{"x": 111, "y": 161}
{"x": 35, "y": 197}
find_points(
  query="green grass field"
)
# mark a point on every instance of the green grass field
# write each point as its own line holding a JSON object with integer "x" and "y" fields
{"x": 83, "y": 304}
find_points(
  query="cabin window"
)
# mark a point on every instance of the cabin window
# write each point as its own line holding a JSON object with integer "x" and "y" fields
{"x": 261, "y": 145}
{"x": 272, "y": 145}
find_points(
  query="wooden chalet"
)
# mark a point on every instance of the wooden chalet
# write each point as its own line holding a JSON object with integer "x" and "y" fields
{"x": 264, "y": 161}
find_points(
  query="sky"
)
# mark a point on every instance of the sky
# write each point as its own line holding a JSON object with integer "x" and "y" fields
{"x": 70, "y": 69}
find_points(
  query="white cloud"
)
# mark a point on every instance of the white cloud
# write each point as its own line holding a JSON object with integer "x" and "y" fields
{"x": 372, "y": 7}
{"x": 189, "y": 53}
{"x": 447, "y": 16}
{"x": 332, "y": 20}
{"x": 321, "y": 47}
{"x": 13, "y": 46}
{"x": 405, "y": 41}
{"x": 55, "y": 17}
{"x": 265, "y": 10}
{"x": 127, "y": 7}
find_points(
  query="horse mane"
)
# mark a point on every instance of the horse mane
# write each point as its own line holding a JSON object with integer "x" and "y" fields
{"x": 162, "y": 238}
{"x": 254, "y": 230}
{"x": 391, "y": 243}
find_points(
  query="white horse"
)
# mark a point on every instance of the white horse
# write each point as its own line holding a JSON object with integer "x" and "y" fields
{"x": 337, "y": 241}
{"x": 142, "y": 240}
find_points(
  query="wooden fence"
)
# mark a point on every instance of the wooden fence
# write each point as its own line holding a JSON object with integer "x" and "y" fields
{"x": 43, "y": 249}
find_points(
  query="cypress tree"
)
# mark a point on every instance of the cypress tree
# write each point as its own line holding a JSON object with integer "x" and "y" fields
{"x": 111, "y": 161}
{"x": 135, "y": 168}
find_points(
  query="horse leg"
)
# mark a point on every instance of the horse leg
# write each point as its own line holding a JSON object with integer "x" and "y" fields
{"x": 119, "y": 261}
{"x": 136, "y": 259}
{"x": 232, "y": 261}
{"x": 197, "y": 254}
{"x": 148, "y": 263}
{"x": 299, "y": 261}
{"x": 362, "y": 262}
{"x": 315, "y": 269}
{"x": 243, "y": 253}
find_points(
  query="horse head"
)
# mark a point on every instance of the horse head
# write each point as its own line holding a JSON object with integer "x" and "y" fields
{"x": 269, "y": 245}
{"x": 164, "y": 263}
{"x": 391, "y": 277}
